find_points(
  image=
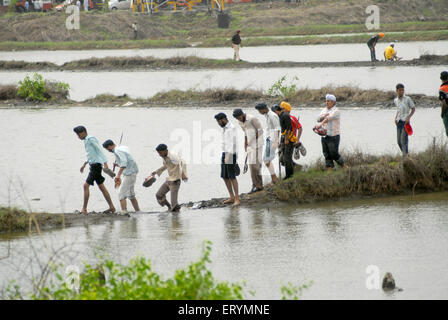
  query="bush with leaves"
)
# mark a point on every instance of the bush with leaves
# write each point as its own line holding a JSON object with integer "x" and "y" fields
{"x": 33, "y": 88}
{"x": 38, "y": 89}
{"x": 137, "y": 281}
{"x": 281, "y": 89}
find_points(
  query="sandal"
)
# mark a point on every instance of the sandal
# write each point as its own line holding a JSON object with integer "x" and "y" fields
{"x": 108, "y": 211}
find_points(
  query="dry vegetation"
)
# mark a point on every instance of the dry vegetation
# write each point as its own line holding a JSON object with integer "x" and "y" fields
{"x": 369, "y": 175}
{"x": 255, "y": 19}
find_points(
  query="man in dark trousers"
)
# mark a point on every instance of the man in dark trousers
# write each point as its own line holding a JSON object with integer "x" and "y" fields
{"x": 286, "y": 145}
{"x": 372, "y": 43}
{"x": 236, "y": 45}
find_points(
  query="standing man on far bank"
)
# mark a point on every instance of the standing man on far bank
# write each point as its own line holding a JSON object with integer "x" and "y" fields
{"x": 236, "y": 45}
{"x": 406, "y": 109}
{"x": 96, "y": 159}
{"x": 443, "y": 96}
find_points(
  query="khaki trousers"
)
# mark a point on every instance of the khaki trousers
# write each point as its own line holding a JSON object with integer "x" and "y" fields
{"x": 255, "y": 167}
{"x": 173, "y": 188}
{"x": 236, "y": 52}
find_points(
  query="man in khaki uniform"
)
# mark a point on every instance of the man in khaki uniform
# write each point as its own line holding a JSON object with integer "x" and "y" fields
{"x": 177, "y": 170}
{"x": 253, "y": 144}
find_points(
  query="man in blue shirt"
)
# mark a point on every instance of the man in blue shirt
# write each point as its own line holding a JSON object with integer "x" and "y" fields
{"x": 95, "y": 159}
{"x": 129, "y": 169}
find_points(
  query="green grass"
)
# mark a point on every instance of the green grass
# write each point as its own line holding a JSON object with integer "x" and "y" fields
{"x": 215, "y": 42}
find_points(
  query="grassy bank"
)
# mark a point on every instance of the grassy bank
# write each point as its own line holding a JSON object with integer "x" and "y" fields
{"x": 369, "y": 176}
{"x": 193, "y": 62}
{"x": 214, "y": 41}
{"x": 15, "y": 220}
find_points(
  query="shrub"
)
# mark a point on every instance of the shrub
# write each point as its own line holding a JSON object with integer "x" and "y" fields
{"x": 281, "y": 89}
{"x": 33, "y": 89}
{"x": 38, "y": 89}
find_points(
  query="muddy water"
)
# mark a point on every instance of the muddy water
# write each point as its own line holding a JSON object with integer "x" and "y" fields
{"x": 305, "y": 53}
{"x": 144, "y": 84}
{"x": 44, "y": 156}
{"x": 331, "y": 244}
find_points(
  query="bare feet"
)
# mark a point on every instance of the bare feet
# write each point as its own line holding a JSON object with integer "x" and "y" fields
{"x": 228, "y": 201}
{"x": 84, "y": 211}
{"x": 236, "y": 203}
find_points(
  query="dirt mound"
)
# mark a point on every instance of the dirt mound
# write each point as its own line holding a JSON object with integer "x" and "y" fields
{"x": 256, "y": 18}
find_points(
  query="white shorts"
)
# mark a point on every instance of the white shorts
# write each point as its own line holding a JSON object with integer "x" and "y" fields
{"x": 127, "y": 187}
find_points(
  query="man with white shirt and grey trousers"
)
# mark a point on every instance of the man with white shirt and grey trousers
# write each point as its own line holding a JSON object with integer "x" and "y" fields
{"x": 129, "y": 169}
{"x": 229, "y": 165}
{"x": 329, "y": 119}
{"x": 405, "y": 111}
{"x": 272, "y": 137}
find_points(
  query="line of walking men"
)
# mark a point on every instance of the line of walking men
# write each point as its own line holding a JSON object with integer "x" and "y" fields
{"x": 283, "y": 133}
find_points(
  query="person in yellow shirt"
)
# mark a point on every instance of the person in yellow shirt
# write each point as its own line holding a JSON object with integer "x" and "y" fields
{"x": 390, "y": 54}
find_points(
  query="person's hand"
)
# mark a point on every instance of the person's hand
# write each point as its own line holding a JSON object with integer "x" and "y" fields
{"x": 286, "y": 141}
{"x": 184, "y": 177}
{"x": 396, "y": 121}
{"x": 82, "y": 168}
{"x": 153, "y": 173}
{"x": 117, "y": 179}
{"x": 227, "y": 158}
{"x": 407, "y": 120}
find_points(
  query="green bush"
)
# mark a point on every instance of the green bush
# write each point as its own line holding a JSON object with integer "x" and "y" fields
{"x": 281, "y": 89}
{"x": 33, "y": 89}
{"x": 38, "y": 89}
{"x": 137, "y": 281}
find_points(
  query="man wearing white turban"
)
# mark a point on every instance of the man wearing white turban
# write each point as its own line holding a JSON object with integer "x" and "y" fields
{"x": 329, "y": 120}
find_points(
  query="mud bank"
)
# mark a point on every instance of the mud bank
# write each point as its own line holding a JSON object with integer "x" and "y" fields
{"x": 192, "y": 62}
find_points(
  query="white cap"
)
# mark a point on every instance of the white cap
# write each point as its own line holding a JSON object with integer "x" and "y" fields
{"x": 330, "y": 97}
{"x": 392, "y": 44}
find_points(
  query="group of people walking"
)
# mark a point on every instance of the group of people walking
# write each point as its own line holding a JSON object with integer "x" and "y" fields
{"x": 281, "y": 135}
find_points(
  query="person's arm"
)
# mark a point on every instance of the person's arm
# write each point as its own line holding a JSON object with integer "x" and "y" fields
{"x": 184, "y": 170}
{"x": 412, "y": 105}
{"x": 408, "y": 118}
{"x": 444, "y": 107}
{"x": 118, "y": 177}
{"x": 258, "y": 128}
{"x": 299, "y": 133}
{"x": 160, "y": 170}
{"x": 83, "y": 167}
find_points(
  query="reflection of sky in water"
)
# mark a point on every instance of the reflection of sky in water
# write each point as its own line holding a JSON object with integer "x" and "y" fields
{"x": 144, "y": 84}
{"x": 307, "y": 53}
{"x": 331, "y": 244}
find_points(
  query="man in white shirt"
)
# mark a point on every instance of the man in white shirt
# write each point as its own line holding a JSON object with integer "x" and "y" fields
{"x": 329, "y": 119}
{"x": 129, "y": 169}
{"x": 272, "y": 137}
{"x": 177, "y": 170}
{"x": 405, "y": 110}
{"x": 253, "y": 144}
{"x": 229, "y": 165}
